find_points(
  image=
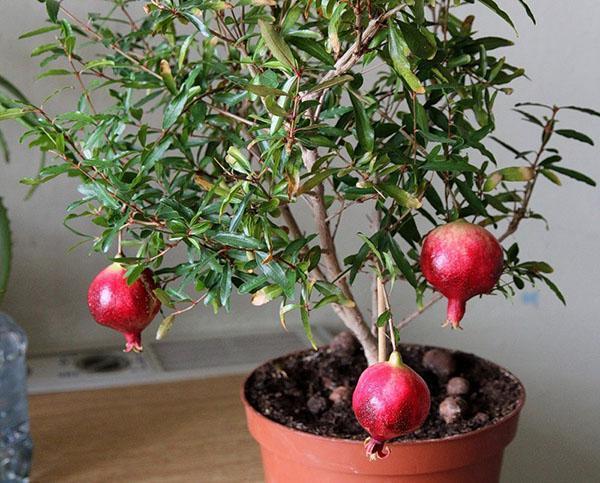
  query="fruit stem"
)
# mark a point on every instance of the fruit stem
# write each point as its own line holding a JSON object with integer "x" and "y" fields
{"x": 381, "y": 341}
{"x": 395, "y": 359}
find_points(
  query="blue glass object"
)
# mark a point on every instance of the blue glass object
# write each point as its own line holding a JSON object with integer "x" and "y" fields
{"x": 15, "y": 438}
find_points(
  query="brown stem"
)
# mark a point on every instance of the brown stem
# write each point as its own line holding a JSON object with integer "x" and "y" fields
{"x": 351, "y": 316}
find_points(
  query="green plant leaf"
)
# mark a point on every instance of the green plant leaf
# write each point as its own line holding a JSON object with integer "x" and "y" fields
{"x": 5, "y": 249}
{"x": 236, "y": 240}
{"x": 576, "y": 175}
{"x": 52, "y": 7}
{"x": 400, "y": 196}
{"x": 277, "y": 45}
{"x": 331, "y": 83}
{"x": 364, "y": 130}
{"x": 316, "y": 179}
{"x": 398, "y": 52}
{"x": 492, "y": 5}
{"x": 572, "y": 134}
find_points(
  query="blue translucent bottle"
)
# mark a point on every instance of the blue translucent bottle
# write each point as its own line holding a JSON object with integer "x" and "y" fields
{"x": 15, "y": 439}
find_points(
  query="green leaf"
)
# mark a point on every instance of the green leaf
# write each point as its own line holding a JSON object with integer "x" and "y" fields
{"x": 163, "y": 297}
{"x": 53, "y": 72}
{"x": 400, "y": 196}
{"x": 331, "y": 83}
{"x": 471, "y": 198}
{"x": 174, "y": 109}
{"x": 398, "y": 49}
{"x": 572, "y": 134}
{"x": 52, "y": 7}
{"x": 39, "y": 31}
{"x": 552, "y": 286}
{"x": 576, "y": 175}
{"x": 417, "y": 41}
{"x": 306, "y": 323}
{"x": 99, "y": 192}
{"x": 528, "y": 11}
{"x": 585, "y": 110}
{"x": 364, "y": 130}
{"x": 12, "y": 113}
{"x": 492, "y": 5}
{"x": 449, "y": 165}
{"x": 401, "y": 261}
{"x": 165, "y": 327}
{"x": 12, "y": 89}
{"x": 316, "y": 179}
{"x": 513, "y": 173}
{"x": 5, "y": 249}
{"x": 264, "y": 91}
{"x": 312, "y": 48}
{"x": 236, "y": 240}
{"x": 238, "y": 161}
{"x": 277, "y": 45}
{"x": 383, "y": 318}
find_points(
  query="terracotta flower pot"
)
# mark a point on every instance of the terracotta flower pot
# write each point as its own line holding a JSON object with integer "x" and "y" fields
{"x": 292, "y": 456}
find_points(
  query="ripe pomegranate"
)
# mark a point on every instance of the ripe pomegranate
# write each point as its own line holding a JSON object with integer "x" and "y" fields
{"x": 390, "y": 399}
{"x": 461, "y": 260}
{"x": 126, "y": 308}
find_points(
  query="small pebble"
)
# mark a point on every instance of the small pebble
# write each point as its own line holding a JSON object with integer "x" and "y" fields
{"x": 340, "y": 395}
{"x": 480, "y": 418}
{"x": 316, "y": 404}
{"x": 457, "y": 386}
{"x": 440, "y": 362}
{"x": 452, "y": 409}
{"x": 344, "y": 343}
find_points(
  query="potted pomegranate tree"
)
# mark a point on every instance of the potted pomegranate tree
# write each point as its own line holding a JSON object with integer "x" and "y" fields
{"x": 241, "y": 135}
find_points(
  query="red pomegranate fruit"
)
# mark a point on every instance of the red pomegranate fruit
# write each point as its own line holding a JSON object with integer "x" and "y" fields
{"x": 128, "y": 309}
{"x": 390, "y": 399}
{"x": 461, "y": 260}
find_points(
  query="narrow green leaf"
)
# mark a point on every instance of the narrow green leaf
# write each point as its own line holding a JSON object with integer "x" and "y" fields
{"x": 331, "y": 83}
{"x": 306, "y": 323}
{"x": 5, "y": 249}
{"x": 165, "y": 326}
{"x": 264, "y": 91}
{"x": 513, "y": 173}
{"x": 552, "y": 286}
{"x": 492, "y": 5}
{"x": 39, "y": 31}
{"x": 236, "y": 240}
{"x": 383, "y": 318}
{"x": 364, "y": 130}
{"x": 398, "y": 52}
{"x": 312, "y": 48}
{"x": 52, "y": 7}
{"x": 585, "y": 110}
{"x": 572, "y": 134}
{"x": 471, "y": 198}
{"x": 528, "y": 11}
{"x": 316, "y": 179}
{"x": 401, "y": 262}
{"x": 277, "y": 45}
{"x": 576, "y": 175}
{"x": 53, "y": 72}
{"x": 400, "y": 196}
{"x": 174, "y": 109}
{"x": 417, "y": 42}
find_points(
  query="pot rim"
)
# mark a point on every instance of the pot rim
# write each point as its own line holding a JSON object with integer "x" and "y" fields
{"x": 455, "y": 437}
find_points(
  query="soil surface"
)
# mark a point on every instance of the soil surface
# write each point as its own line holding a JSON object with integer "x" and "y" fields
{"x": 312, "y": 390}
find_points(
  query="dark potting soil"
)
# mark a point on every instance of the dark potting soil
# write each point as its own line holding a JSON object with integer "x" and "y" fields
{"x": 312, "y": 390}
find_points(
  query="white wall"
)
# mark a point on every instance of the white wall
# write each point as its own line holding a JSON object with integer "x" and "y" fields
{"x": 555, "y": 350}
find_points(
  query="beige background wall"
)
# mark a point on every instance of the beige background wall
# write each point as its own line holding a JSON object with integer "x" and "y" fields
{"x": 555, "y": 350}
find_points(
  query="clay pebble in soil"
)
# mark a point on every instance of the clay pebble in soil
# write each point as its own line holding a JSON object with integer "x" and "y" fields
{"x": 457, "y": 386}
{"x": 281, "y": 390}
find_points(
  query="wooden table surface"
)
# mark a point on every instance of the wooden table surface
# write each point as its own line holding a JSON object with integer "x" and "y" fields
{"x": 191, "y": 431}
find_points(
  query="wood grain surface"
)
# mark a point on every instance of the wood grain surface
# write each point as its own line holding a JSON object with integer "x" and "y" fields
{"x": 191, "y": 431}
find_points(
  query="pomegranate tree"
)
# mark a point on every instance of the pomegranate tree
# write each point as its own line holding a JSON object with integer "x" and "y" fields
{"x": 204, "y": 129}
